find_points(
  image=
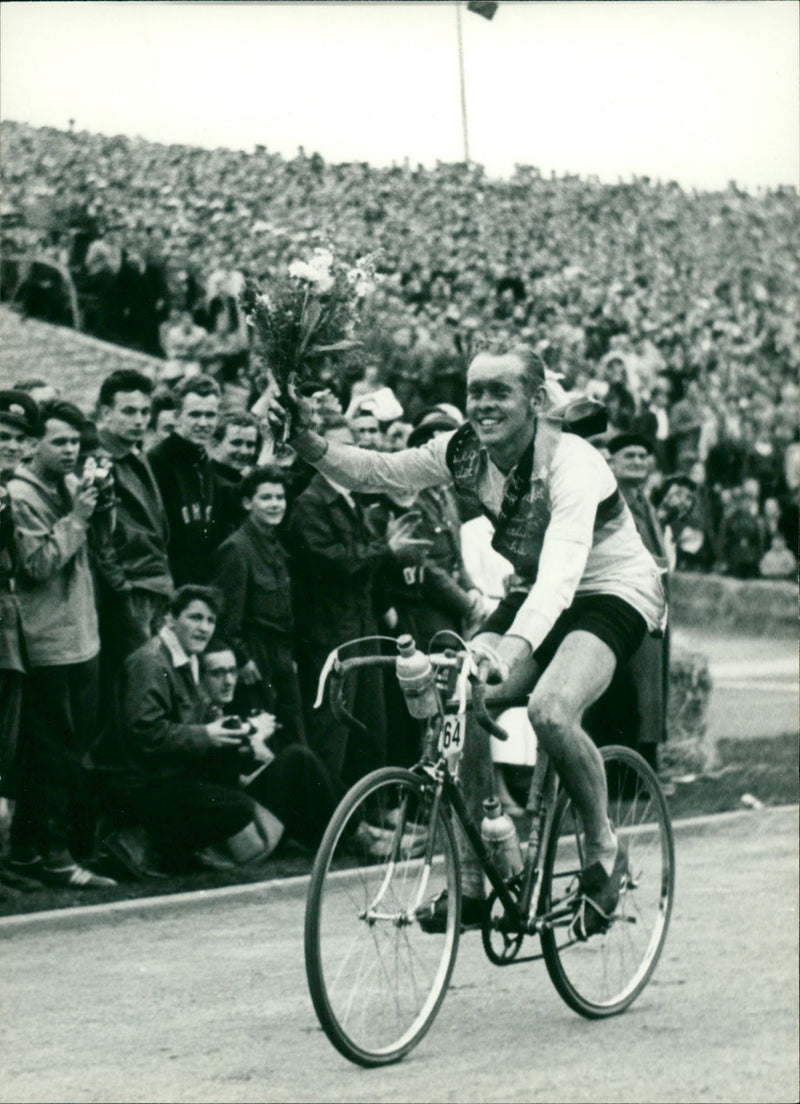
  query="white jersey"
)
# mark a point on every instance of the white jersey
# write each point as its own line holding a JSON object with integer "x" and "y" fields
{"x": 583, "y": 552}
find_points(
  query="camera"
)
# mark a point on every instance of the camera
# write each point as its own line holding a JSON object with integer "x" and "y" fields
{"x": 248, "y": 759}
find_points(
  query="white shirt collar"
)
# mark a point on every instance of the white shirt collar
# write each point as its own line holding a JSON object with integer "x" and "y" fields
{"x": 345, "y": 492}
{"x": 177, "y": 654}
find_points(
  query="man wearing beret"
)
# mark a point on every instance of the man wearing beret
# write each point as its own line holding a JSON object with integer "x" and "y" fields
{"x": 631, "y": 459}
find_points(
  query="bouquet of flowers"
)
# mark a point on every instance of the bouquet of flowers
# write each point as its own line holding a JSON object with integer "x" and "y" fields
{"x": 308, "y": 316}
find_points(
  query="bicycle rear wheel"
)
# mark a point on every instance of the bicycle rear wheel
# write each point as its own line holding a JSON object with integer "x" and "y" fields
{"x": 605, "y": 974}
{"x": 376, "y": 979}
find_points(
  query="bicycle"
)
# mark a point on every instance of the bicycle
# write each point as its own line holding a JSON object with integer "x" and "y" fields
{"x": 377, "y": 980}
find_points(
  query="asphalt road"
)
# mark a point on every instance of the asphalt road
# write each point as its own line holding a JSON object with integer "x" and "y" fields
{"x": 206, "y": 1000}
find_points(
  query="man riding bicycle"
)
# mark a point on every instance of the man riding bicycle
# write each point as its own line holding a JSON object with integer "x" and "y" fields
{"x": 591, "y": 589}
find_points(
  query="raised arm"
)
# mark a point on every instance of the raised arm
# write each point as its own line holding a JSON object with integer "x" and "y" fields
{"x": 361, "y": 469}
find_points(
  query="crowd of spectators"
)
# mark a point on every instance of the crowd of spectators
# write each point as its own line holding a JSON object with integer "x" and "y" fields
{"x": 678, "y": 309}
{"x": 169, "y": 596}
{"x": 158, "y": 547}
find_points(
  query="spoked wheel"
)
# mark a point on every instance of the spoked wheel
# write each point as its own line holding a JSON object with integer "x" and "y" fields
{"x": 376, "y": 978}
{"x": 606, "y": 973}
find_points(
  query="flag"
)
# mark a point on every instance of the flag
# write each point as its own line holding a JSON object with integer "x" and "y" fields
{"x": 487, "y": 10}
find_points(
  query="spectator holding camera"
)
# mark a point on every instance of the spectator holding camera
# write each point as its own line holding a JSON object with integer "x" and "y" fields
{"x": 282, "y": 776}
{"x": 157, "y": 749}
{"x": 53, "y": 512}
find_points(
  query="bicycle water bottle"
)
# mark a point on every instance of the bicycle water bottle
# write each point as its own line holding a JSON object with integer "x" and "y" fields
{"x": 415, "y": 675}
{"x": 501, "y": 839}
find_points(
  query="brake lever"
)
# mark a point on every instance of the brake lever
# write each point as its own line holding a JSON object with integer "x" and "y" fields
{"x": 338, "y": 707}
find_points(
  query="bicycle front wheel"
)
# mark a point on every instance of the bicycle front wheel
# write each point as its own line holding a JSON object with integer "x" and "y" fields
{"x": 376, "y": 978}
{"x": 605, "y": 974}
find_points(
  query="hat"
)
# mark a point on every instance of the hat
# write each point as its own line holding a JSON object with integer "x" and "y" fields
{"x": 625, "y": 440}
{"x": 429, "y": 423}
{"x": 584, "y": 417}
{"x": 18, "y": 409}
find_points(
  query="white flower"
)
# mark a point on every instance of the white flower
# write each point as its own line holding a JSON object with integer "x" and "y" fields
{"x": 301, "y": 271}
{"x": 321, "y": 262}
{"x": 324, "y": 283}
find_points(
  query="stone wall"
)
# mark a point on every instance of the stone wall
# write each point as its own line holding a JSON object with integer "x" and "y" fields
{"x": 74, "y": 362}
{"x": 715, "y": 602}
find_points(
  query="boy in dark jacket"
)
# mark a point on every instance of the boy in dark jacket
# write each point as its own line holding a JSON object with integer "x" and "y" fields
{"x": 194, "y": 500}
{"x": 132, "y": 569}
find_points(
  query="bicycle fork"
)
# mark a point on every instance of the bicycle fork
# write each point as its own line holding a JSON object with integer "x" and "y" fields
{"x": 371, "y": 914}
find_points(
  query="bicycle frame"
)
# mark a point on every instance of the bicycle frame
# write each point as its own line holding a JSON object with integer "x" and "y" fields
{"x": 521, "y": 911}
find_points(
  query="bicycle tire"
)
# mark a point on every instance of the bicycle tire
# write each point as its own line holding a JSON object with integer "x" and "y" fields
{"x": 376, "y": 979}
{"x": 603, "y": 976}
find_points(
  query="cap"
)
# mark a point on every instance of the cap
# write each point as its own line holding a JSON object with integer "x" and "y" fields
{"x": 18, "y": 409}
{"x": 428, "y": 425}
{"x": 625, "y": 440}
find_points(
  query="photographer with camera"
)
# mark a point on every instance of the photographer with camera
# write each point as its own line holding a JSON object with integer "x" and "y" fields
{"x": 283, "y": 776}
{"x": 54, "y": 513}
{"x": 159, "y": 755}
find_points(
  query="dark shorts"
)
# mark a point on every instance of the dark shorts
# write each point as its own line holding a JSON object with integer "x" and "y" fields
{"x": 605, "y": 616}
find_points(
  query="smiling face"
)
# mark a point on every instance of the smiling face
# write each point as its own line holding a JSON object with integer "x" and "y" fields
{"x": 194, "y": 626}
{"x": 197, "y": 418}
{"x": 268, "y": 504}
{"x": 13, "y": 443}
{"x": 631, "y": 465}
{"x": 501, "y": 404}
{"x": 238, "y": 447}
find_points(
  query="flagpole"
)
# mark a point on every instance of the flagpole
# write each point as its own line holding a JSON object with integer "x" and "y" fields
{"x": 464, "y": 130}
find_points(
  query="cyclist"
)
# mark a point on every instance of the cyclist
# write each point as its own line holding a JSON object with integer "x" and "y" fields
{"x": 591, "y": 591}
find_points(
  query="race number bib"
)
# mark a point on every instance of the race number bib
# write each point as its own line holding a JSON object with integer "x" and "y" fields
{"x": 451, "y": 738}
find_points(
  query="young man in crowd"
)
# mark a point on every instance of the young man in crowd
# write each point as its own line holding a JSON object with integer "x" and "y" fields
{"x": 592, "y": 589}
{"x": 236, "y": 445}
{"x": 194, "y": 500}
{"x": 19, "y": 417}
{"x": 235, "y": 450}
{"x": 251, "y": 571}
{"x": 53, "y": 512}
{"x": 133, "y": 575}
{"x": 163, "y": 416}
{"x": 157, "y": 751}
{"x": 367, "y": 430}
{"x": 293, "y": 785}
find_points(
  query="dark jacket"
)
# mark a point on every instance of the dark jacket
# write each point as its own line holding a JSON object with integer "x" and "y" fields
{"x": 193, "y": 499}
{"x": 136, "y": 557}
{"x": 231, "y": 513}
{"x": 11, "y": 640}
{"x": 251, "y": 570}
{"x": 334, "y": 559}
{"x": 157, "y": 727}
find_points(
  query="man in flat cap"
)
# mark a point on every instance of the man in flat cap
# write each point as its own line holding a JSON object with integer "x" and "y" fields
{"x": 631, "y": 460}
